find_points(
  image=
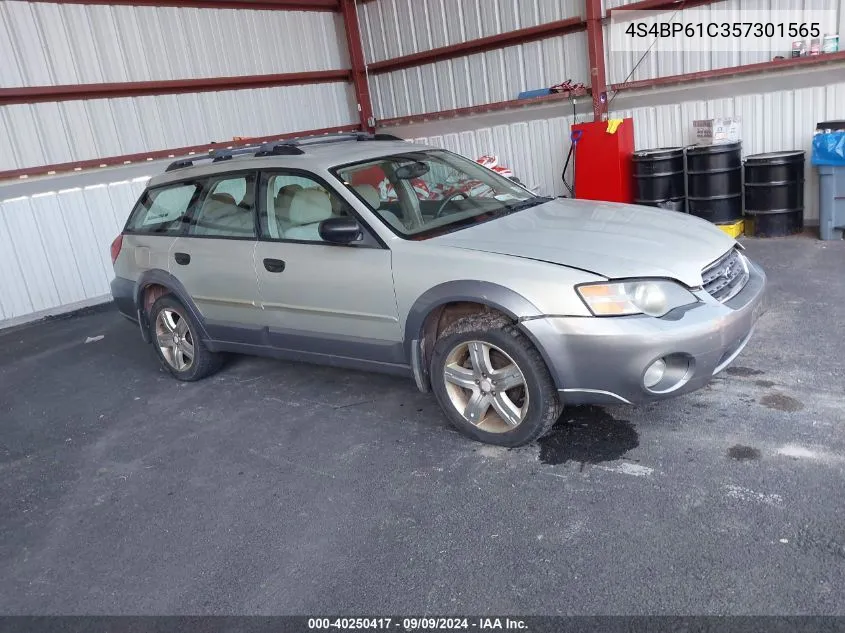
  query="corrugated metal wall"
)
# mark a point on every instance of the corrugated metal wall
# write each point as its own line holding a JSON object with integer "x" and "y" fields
{"x": 489, "y": 77}
{"x": 49, "y": 133}
{"x": 51, "y": 44}
{"x": 621, "y": 65}
{"x": 54, "y": 246}
{"x": 43, "y": 44}
{"x": 392, "y": 28}
{"x": 536, "y": 149}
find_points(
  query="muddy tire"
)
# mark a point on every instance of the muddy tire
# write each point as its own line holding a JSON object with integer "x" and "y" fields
{"x": 492, "y": 383}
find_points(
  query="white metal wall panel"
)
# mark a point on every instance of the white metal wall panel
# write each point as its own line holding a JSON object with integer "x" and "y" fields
{"x": 498, "y": 75}
{"x": 54, "y": 246}
{"x": 49, "y": 133}
{"x": 52, "y": 44}
{"x": 623, "y": 66}
{"x": 392, "y": 28}
{"x": 536, "y": 150}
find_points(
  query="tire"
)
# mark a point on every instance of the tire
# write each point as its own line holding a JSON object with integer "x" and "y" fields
{"x": 168, "y": 317}
{"x": 529, "y": 410}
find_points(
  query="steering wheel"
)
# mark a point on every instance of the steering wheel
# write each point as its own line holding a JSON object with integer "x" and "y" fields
{"x": 447, "y": 200}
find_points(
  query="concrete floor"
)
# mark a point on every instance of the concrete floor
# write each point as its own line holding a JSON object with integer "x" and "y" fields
{"x": 277, "y": 488}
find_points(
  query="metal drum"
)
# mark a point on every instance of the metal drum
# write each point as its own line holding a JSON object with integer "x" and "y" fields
{"x": 714, "y": 182}
{"x": 774, "y": 194}
{"x": 659, "y": 178}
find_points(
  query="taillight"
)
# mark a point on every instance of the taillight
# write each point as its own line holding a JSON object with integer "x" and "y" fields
{"x": 115, "y": 247}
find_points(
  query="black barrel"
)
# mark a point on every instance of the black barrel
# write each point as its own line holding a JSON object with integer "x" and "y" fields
{"x": 659, "y": 178}
{"x": 774, "y": 194}
{"x": 714, "y": 182}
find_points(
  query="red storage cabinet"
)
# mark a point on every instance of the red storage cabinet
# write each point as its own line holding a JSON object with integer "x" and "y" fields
{"x": 603, "y": 161}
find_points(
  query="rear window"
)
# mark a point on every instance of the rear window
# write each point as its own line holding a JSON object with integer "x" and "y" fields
{"x": 162, "y": 210}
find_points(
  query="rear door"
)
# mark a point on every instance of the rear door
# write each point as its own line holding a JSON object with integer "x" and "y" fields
{"x": 214, "y": 257}
{"x": 321, "y": 298}
{"x": 152, "y": 228}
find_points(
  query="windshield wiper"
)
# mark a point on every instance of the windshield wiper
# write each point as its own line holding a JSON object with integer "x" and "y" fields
{"x": 526, "y": 204}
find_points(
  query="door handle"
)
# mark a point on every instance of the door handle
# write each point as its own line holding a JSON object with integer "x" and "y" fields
{"x": 182, "y": 258}
{"x": 274, "y": 265}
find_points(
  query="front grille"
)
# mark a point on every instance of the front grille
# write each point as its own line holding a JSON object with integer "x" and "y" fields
{"x": 725, "y": 277}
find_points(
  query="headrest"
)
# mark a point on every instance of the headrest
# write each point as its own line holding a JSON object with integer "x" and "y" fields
{"x": 286, "y": 193}
{"x": 309, "y": 206}
{"x": 369, "y": 194}
{"x": 224, "y": 198}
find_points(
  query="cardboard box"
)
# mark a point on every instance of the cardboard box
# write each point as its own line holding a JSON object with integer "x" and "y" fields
{"x": 717, "y": 131}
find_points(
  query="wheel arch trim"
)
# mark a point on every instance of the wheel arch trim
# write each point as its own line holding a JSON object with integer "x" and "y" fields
{"x": 165, "y": 279}
{"x": 490, "y": 294}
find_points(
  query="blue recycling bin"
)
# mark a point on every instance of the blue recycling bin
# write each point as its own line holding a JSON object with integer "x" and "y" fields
{"x": 829, "y": 158}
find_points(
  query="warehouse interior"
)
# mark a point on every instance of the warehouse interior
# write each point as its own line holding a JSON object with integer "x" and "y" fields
{"x": 287, "y": 489}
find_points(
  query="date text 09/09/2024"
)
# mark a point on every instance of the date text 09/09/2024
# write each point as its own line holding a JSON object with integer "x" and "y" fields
{"x": 725, "y": 29}
{"x": 417, "y": 624}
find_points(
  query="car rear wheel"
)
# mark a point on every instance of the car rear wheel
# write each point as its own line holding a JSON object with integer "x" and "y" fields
{"x": 174, "y": 336}
{"x": 492, "y": 383}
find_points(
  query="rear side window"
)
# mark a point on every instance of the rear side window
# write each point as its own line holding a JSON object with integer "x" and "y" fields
{"x": 162, "y": 210}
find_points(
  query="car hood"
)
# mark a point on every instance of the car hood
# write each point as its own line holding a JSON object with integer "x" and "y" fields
{"x": 609, "y": 239}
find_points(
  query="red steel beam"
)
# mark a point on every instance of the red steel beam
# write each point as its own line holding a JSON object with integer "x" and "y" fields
{"x": 264, "y": 5}
{"x": 359, "y": 64}
{"x": 178, "y": 152}
{"x": 649, "y": 5}
{"x": 595, "y": 49}
{"x": 480, "y": 45}
{"x": 735, "y": 71}
{"x": 75, "y": 92}
{"x": 498, "y": 106}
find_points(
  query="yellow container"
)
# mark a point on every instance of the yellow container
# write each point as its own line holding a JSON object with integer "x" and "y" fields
{"x": 734, "y": 229}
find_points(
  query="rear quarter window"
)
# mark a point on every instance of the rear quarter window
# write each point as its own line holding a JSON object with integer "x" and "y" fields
{"x": 162, "y": 210}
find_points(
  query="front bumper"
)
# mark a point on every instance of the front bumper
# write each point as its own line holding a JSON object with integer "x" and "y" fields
{"x": 603, "y": 360}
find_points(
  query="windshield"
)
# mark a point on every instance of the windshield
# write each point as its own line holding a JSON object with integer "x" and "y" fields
{"x": 421, "y": 194}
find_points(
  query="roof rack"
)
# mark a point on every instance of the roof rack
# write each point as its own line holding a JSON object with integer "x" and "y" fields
{"x": 292, "y": 147}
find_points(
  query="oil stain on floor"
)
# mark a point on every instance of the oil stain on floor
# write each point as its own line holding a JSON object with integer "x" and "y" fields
{"x": 742, "y": 371}
{"x": 743, "y": 453}
{"x": 587, "y": 435}
{"x": 781, "y": 402}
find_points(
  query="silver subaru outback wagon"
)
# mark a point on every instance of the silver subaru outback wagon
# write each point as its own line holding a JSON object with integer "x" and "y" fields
{"x": 372, "y": 253}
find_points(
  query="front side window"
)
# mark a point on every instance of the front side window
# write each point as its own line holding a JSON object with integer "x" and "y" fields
{"x": 162, "y": 210}
{"x": 228, "y": 210}
{"x": 295, "y": 205}
{"x": 420, "y": 194}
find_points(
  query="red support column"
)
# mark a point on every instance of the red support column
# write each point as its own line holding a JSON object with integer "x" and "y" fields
{"x": 595, "y": 46}
{"x": 359, "y": 65}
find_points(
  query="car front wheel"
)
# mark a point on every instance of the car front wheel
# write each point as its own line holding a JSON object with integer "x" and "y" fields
{"x": 492, "y": 383}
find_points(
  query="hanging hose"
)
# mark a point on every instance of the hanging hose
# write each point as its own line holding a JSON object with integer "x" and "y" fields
{"x": 574, "y": 137}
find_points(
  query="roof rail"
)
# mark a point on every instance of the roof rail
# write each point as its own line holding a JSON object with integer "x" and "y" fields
{"x": 292, "y": 147}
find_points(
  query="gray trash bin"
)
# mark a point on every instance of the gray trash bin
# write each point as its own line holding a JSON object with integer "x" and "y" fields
{"x": 831, "y": 201}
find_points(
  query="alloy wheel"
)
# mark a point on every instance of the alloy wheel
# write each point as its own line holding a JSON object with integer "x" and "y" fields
{"x": 174, "y": 339}
{"x": 486, "y": 386}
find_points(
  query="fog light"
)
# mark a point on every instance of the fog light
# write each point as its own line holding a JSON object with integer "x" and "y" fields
{"x": 654, "y": 374}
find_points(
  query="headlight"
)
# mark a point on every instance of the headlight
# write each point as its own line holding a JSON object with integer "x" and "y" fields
{"x": 652, "y": 297}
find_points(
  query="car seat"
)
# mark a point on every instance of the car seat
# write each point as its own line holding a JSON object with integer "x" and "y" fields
{"x": 221, "y": 215}
{"x": 281, "y": 206}
{"x": 371, "y": 196}
{"x": 308, "y": 208}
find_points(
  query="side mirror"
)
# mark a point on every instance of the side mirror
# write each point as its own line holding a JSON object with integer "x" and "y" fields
{"x": 340, "y": 230}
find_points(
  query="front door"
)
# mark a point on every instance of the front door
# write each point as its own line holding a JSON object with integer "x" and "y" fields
{"x": 214, "y": 258}
{"x": 323, "y": 299}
